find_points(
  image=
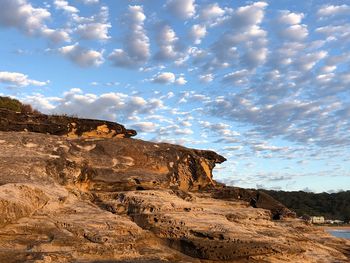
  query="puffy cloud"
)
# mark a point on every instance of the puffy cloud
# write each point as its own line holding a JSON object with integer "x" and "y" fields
{"x": 308, "y": 61}
{"x": 168, "y": 78}
{"x": 244, "y": 41}
{"x": 183, "y": 9}
{"x": 95, "y": 27}
{"x": 94, "y": 31}
{"x": 183, "y": 131}
{"x": 22, "y": 15}
{"x": 181, "y": 81}
{"x": 290, "y": 18}
{"x": 81, "y": 56}
{"x": 197, "y": 32}
{"x": 56, "y": 36}
{"x": 64, "y": 5}
{"x": 164, "y": 78}
{"x": 206, "y": 78}
{"x": 111, "y": 106}
{"x": 144, "y": 126}
{"x": 210, "y": 12}
{"x": 289, "y": 26}
{"x": 250, "y": 15}
{"x": 254, "y": 56}
{"x": 168, "y": 44}
{"x": 339, "y": 34}
{"x": 295, "y": 32}
{"x": 15, "y": 79}
{"x": 136, "y": 43}
{"x": 222, "y": 131}
{"x": 334, "y": 10}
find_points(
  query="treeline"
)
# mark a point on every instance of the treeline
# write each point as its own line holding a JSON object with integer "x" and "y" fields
{"x": 16, "y": 105}
{"x": 331, "y": 206}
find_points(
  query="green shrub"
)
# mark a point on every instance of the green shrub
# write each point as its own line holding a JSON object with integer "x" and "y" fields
{"x": 16, "y": 105}
{"x": 10, "y": 104}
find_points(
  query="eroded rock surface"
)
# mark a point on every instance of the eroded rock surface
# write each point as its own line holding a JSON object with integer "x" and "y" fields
{"x": 61, "y": 125}
{"x": 127, "y": 200}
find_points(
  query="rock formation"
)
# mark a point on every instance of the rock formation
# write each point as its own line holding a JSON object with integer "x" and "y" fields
{"x": 61, "y": 125}
{"x": 100, "y": 199}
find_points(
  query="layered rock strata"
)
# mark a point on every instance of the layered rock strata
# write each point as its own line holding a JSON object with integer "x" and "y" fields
{"x": 61, "y": 125}
{"x": 125, "y": 200}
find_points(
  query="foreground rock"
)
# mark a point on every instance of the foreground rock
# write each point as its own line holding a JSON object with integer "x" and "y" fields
{"x": 127, "y": 200}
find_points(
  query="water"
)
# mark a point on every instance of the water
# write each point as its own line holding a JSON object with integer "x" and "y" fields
{"x": 343, "y": 233}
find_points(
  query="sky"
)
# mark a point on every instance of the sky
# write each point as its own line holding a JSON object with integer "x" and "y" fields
{"x": 264, "y": 83}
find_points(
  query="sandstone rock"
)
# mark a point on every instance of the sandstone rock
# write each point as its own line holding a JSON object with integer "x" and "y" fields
{"x": 255, "y": 198}
{"x": 61, "y": 125}
{"x": 125, "y": 200}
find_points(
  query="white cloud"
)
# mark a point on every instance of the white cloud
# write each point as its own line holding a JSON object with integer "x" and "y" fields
{"x": 289, "y": 26}
{"x": 16, "y": 79}
{"x": 181, "y": 81}
{"x": 233, "y": 148}
{"x": 237, "y": 78}
{"x": 164, "y": 78}
{"x": 308, "y": 61}
{"x": 250, "y": 15}
{"x": 56, "y": 36}
{"x": 95, "y": 27}
{"x": 197, "y": 32}
{"x": 97, "y": 31}
{"x": 287, "y": 17}
{"x": 81, "y": 56}
{"x": 111, "y": 106}
{"x": 144, "y": 126}
{"x": 295, "y": 32}
{"x": 168, "y": 78}
{"x": 64, "y": 5}
{"x": 136, "y": 43}
{"x": 168, "y": 44}
{"x": 183, "y": 131}
{"x": 266, "y": 147}
{"x": 206, "y": 78}
{"x": 210, "y": 12}
{"x": 255, "y": 56}
{"x": 244, "y": 40}
{"x": 334, "y": 10}
{"x": 22, "y": 15}
{"x": 183, "y": 9}
{"x": 89, "y": 2}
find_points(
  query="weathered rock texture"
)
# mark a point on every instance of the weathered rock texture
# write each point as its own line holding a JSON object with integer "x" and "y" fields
{"x": 127, "y": 200}
{"x": 61, "y": 125}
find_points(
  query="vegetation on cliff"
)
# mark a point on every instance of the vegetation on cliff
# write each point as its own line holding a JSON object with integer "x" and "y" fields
{"x": 331, "y": 206}
{"x": 16, "y": 105}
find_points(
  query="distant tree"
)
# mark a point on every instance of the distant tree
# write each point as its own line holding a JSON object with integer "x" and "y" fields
{"x": 331, "y": 206}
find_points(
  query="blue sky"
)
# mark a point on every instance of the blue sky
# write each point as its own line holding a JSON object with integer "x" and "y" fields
{"x": 264, "y": 83}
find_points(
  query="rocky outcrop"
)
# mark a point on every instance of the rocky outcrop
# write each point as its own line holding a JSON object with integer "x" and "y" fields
{"x": 255, "y": 198}
{"x": 125, "y": 200}
{"x": 61, "y": 125}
